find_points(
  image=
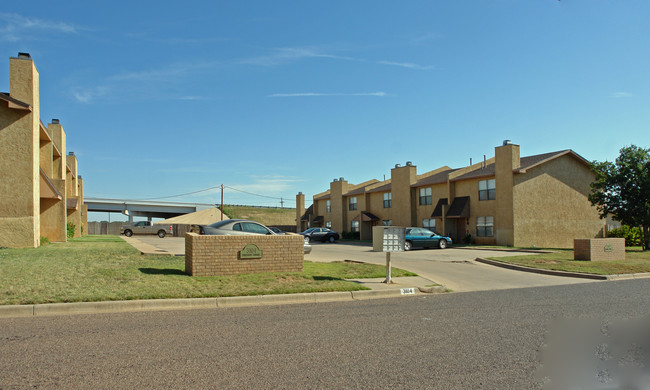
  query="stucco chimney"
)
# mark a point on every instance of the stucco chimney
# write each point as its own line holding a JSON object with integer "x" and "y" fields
{"x": 23, "y": 80}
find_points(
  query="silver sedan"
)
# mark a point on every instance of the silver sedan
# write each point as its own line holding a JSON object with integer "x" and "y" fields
{"x": 237, "y": 227}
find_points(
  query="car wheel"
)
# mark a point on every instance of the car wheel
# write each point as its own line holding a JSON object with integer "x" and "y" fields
{"x": 128, "y": 233}
{"x": 408, "y": 246}
{"x": 161, "y": 233}
{"x": 332, "y": 239}
{"x": 442, "y": 244}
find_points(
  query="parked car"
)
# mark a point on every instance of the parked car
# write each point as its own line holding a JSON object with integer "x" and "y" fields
{"x": 320, "y": 234}
{"x": 146, "y": 227}
{"x": 276, "y": 230}
{"x": 240, "y": 227}
{"x": 417, "y": 237}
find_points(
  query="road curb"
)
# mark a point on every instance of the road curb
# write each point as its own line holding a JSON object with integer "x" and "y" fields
{"x": 54, "y": 309}
{"x": 542, "y": 271}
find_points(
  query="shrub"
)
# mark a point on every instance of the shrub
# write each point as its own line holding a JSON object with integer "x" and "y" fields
{"x": 351, "y": 235}
{"x": 468, "y": 239}
{"x": 71, "y": 227}
{"x": 632, "y": 235}
{"x": 44, "y": 240}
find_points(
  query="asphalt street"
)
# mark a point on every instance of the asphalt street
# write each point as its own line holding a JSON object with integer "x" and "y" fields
{"x": 475, "y": 340}
{"x": 454, "y": 268}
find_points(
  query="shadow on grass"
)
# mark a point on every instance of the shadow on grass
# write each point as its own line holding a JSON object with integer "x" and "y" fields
{"x": 325, "y": 278}
{"x": 162, "y": 271}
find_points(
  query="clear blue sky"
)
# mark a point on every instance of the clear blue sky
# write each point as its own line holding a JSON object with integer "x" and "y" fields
{"x": 276, "y": 97}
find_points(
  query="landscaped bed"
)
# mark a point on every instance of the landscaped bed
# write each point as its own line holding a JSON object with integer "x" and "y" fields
{"x": 102, "y": 268}
{"x": 636, "y": 261}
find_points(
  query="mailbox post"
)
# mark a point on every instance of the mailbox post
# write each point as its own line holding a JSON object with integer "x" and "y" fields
{"x": 389, "y": 239}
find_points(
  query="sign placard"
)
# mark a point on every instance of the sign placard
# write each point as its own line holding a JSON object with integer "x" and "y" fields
{"x": 250, "y": 251}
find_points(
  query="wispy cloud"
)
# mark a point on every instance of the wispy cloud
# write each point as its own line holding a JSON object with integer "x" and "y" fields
{"x": 14, "y": 27}
{"x": 408, "y": 65}
{"x": 425, "y": 38}
{"x": 619, "y": 95}
{"x": 143, "y": 82}
{"x": 164, "y": 73}
{"x": 290, "y": 54}
{"x": 309, "y": 94}
{"x": 88, "y": 95}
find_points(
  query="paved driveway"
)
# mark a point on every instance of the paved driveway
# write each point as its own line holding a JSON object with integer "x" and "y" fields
{"x": 454, "y": 268}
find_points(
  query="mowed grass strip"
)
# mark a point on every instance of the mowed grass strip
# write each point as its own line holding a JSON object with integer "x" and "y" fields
{"x": 103, "y": 268}
{"x": 636, "y": 261}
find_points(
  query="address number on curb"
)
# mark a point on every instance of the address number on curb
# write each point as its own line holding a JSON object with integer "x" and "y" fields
{"x": 408, "y": 291}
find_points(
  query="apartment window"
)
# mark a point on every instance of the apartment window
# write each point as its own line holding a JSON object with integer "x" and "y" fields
{"x": 429, "y": 224}
{"x": 388, "y": 200}
{"x": 485, "y": 226}
{"x": 328, "y": 206}
{"x": 353, "y": 203}
{"x": 425, "y": 196}
{"x": 328, "y": 224}
{"x": 487, "y": 189}
{"x": 387, "y": 222}
{"x": 354, "y": 226}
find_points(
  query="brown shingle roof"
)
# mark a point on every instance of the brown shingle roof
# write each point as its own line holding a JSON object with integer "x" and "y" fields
{"x": 382, "y": 188}
{"x": 524, "y": 163}
{"x": 356, "y": 191}
{"x": 438, "y": 178}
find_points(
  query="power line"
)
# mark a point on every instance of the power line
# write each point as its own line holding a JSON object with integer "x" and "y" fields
{"x": 250, "y": 193}
{"x": 176, "y": 196}
{"x": 281, "y": 199}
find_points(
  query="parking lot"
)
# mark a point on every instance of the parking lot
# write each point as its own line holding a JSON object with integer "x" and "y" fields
{"x": 454, "y": 268}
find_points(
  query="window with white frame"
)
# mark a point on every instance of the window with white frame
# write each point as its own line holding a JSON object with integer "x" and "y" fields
{"x": 425, "y": 196}
{"x": 487, "y": 189}
{"x": 485, "y": 226}
{"x": 388, "y": 200}
{"x": 328, "y": 206}
{"x": 353, "y": 203}
{"x": 387, "y": 222}
{"x": 328, "y": 224}
{"x": 354, "y": 226}
{"x": 429, "y": 223}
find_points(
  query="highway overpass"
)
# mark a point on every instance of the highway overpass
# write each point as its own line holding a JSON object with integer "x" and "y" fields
{"x": 142, "y": 208}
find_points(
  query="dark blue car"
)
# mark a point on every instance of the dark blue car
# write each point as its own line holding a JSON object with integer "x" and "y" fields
{"x": 417, "y": 237}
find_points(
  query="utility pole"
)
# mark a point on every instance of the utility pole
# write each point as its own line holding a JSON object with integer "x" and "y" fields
{"x": 222, "y": 202}
{"x": 281, "y": 203}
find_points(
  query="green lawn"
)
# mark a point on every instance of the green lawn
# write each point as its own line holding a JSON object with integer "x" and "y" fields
{"x": 99, "y": 268}
{"x": 636, "y": 261}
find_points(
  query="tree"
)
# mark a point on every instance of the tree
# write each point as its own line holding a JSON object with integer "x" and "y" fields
{"x": 622, "y": 189}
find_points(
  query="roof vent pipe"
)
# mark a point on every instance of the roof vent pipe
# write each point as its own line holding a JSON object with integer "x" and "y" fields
{"x": 71, "y": 154}
{"x": 409, "y": 163}
{"x": 484, "y": 162}
{"x": 397, "y": 165}
{"x": 55, "y": 121}
{"x": 340, "y": 179}
{"x": 24, "y": 56}
{"x": 506, "y": 142}
{"x": 336, "y": 180}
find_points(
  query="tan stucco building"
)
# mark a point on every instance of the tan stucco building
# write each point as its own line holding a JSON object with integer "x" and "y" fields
{"x": 538, "y": 200}
{"x": 40, "y": 186}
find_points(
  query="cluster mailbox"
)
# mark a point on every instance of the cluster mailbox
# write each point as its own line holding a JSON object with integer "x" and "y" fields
{"x": 388, "y": 239}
